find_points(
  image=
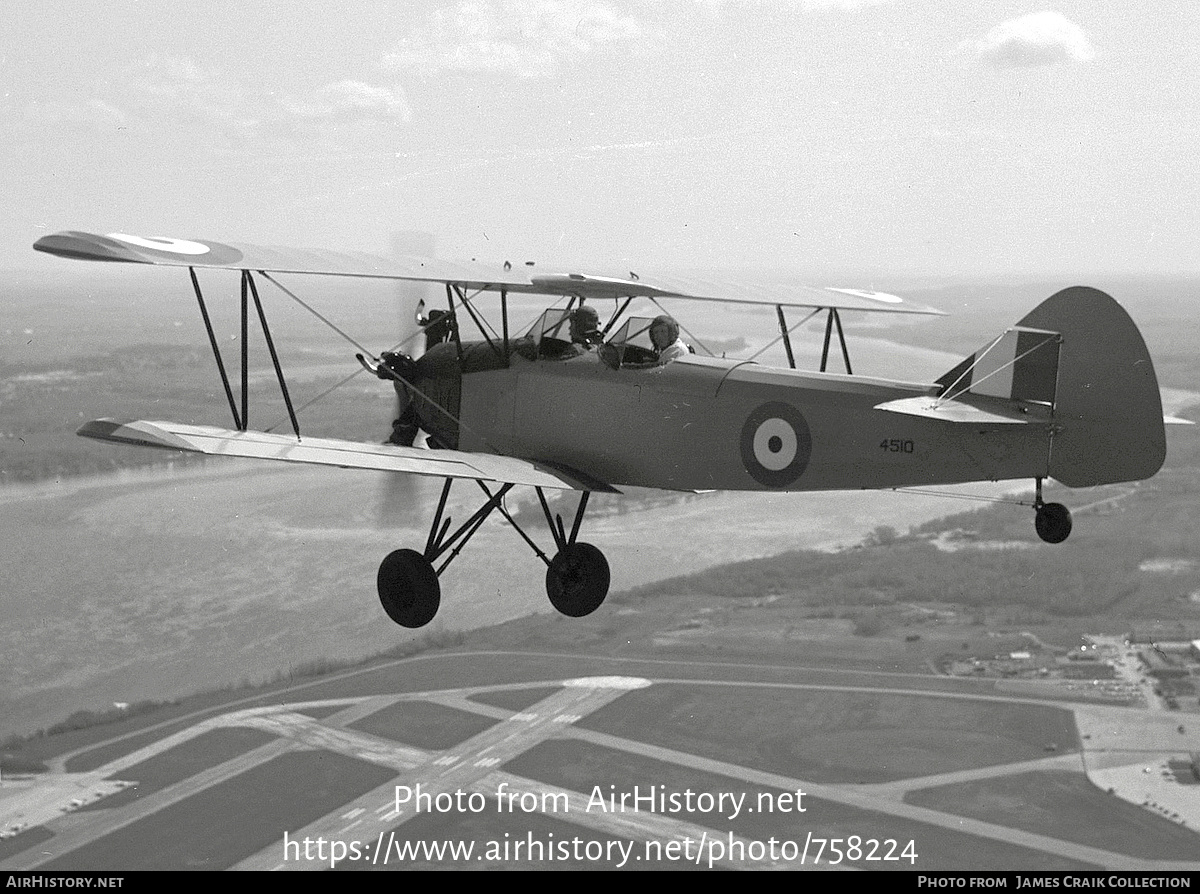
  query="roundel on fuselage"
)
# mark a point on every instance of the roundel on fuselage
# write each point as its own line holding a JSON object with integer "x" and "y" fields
{"x": 776, "y": 444}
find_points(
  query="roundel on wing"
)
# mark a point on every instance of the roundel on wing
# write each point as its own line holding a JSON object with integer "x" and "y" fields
{"x": 163, "y": 243}
{"x": 180, "y": 249}
{"x": 776, "y": 444}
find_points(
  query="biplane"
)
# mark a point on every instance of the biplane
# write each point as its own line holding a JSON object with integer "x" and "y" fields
{"x": 1069, "y": 392}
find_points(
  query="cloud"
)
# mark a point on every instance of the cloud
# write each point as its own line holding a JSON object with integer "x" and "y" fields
{"x": 174, "y": 96}
{"x": 525, "y": 38}
{"x": 1040, "y": 38}
{"x": 178, "y": 88}
{"x": 817, "y": 5}
{"x": 351, "y": 101}
{"x": 797, "y": 5}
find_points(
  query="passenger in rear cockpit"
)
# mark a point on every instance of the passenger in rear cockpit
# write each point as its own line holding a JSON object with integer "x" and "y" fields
{"x": 668, "y": 346}
{"x": 664, "y": 333}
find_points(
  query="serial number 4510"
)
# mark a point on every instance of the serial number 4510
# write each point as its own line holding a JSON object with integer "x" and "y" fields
{"x": 896, "y": 445}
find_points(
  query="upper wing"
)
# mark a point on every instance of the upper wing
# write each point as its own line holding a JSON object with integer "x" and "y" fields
{"x": 756, "y": 288}
{"x": 344, "y": 454}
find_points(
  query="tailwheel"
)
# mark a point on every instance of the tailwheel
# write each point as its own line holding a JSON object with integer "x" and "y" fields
{"x": 1053, "y": 522}
{"x": 577, "y": 579}
{"x": 409, "y": 588}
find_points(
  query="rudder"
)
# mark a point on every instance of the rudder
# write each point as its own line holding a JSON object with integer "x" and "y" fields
{"x": 1107, "y": 408}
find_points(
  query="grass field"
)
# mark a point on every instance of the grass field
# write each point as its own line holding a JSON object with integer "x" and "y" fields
{"x": 423, "y": 724}
{"x": 181, "y": 761}
{"x": 835, "y": 736}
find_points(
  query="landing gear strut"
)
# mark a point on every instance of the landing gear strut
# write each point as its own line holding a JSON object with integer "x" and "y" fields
{"x": 577, "y": 578}
{"x": 1052, "y": 521}
{"x": 407, "y": 580}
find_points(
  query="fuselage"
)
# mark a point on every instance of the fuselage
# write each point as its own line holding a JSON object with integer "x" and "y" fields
{"x": 701, "y": 423}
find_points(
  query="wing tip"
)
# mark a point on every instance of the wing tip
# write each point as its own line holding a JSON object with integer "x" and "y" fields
{"x": 130, "y": 431}
{"x": 84, "y": 247}
{"x": 886, "y": 301}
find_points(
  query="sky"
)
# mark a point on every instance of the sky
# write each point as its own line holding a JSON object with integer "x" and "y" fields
{"x": 905, "y": 136}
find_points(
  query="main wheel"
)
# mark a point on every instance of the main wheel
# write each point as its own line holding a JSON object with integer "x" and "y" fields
{"x": 409, "y": 588}
{"x": 1053, "y": 522}
{"x": 577, "y": 580}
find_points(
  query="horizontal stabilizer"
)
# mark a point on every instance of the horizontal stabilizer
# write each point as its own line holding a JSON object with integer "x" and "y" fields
{"x": 344, "y": 454}
{"x": 957, "y": 411}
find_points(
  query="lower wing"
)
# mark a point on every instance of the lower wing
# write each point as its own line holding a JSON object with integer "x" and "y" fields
{"x": 343, "y": 454}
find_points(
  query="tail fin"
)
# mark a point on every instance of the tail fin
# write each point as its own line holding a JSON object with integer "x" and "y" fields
{"x": 1079, "y": 352}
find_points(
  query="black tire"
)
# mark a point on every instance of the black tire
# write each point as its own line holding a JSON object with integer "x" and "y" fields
{"x": 408, "y": 588}
{"x": 1053, "y": 522}
{"x": 577, "y": 580}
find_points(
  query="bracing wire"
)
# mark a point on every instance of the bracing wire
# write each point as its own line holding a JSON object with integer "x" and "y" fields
{"x": 340, "y": 332}
{"x": 951, "y": 495}
{"x": 313, "y": 311}
{"x": 777, "y": 339}
{"x": 370, "y": 354}
{"x": 947, "y": 396}
{"x": 966, "y": 372}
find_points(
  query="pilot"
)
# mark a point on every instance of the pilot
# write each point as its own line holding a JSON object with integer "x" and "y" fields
{"x": 585, "y": 331}
{"x": 584, "y": 327}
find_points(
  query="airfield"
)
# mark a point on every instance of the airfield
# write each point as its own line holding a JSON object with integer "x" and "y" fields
{"x": 542, "y": 753}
